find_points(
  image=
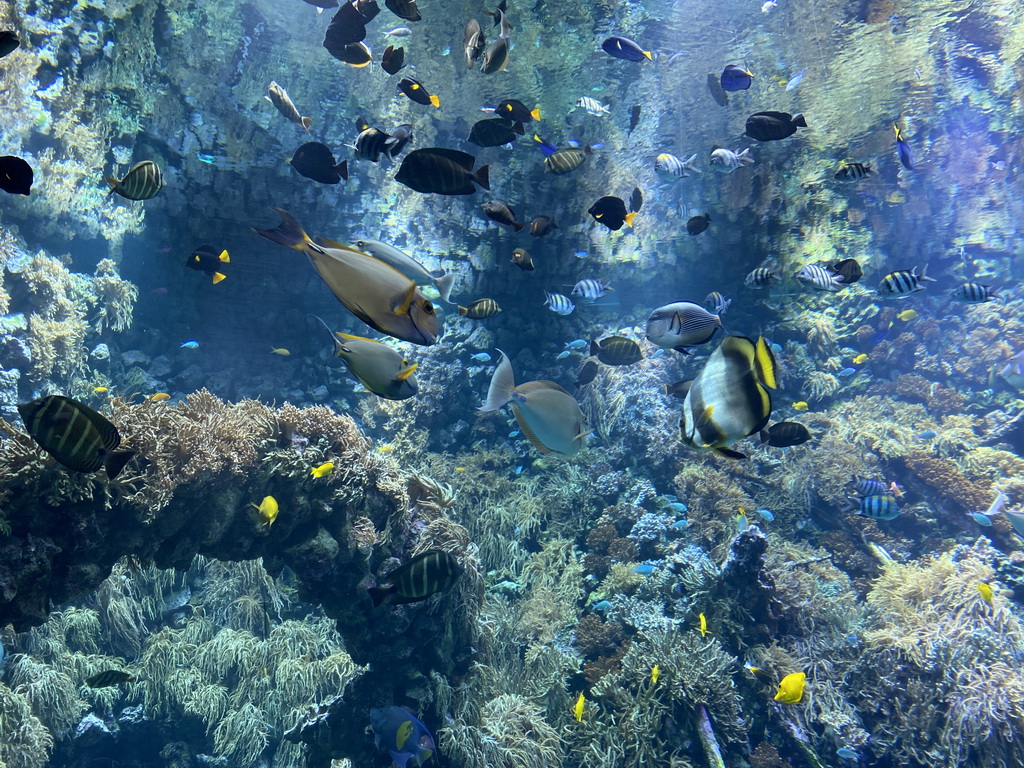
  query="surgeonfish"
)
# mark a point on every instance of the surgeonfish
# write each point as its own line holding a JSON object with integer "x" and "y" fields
{"x": 502, "y": 213}
{"x": 495, "y": 56}
{"x": 408, "y": 266}
{"x": 322, "y": 470}
{"x": 773, "y": 126}
{"x": 579, "y": 707}
{"x": 616, "y": 350}
{"x": 515, "y": 110}
{"x": 785, "y": 434}
{"x": 279, "y": 97}
{"x": 849, "y": 270}
{"x": 375, "y": 292}
{"x": 986, "y": 592}
{"x": 725, "y": 160}
{"x": 316, "y": 161}
{"x": 74, "y": 434}
{"x": 697, "y": 224}
{"x": 492, "y": 132}
{"x": 267, "y": 511}
{"x": 473, "y": 42}
{"x": 791, "y": 688}
{"x": 735, "y": 78}
{"x": 16, "y": 175}
{"x": 549, "y": 416}
{"x": 9, "y": 43}
{"x": 522, "y": 259}
{"x": 902, "y": 283}
{"x": 681, "y": 325}
{"x": 143, "y": 181}
{"x": 542, "y": 225}
{"x": 405, "y": 738}
{"x": 392, "y": 60}
{"x": 672, "y": 166}
{"x": 404, "y": 9}
{"x": 441, "y": 171}
{"x": 624, "y": 48}
{"x": 611, "y": 211}
{"x": 378, "y": 367}
{"x": 906, "y": 154}
{"x": 108, "y": 678}
{"x": 702, "y": 626}
{"x": 414, "y": 90}
{"x": 205, "y": 259}
{"x": 426, "y": 574}
{"x": 559, "y": 161}
{"x": 729, "y": 399}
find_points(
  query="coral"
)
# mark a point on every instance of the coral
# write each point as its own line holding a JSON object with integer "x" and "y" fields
{"x": 945, "y": 478}
{"x": 594, "y": 637}
{"x": 116, "y": 298}
{"x": 26, "y": 742}
{"x": 765, "y": 756}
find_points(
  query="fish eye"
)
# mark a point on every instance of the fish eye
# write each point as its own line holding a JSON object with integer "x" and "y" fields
{"x": 428, "y": 307}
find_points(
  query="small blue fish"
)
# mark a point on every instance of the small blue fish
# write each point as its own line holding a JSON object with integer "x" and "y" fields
{"x": 766, "y": 515}
{"x": 981, "y": 518}
{"x": 447, "y": 50}
{"x": 679, "y": 525}
{"x": 481, "y": 357}
{"x": 519, "y": 470}
{"x": 847, "y": 754}
{"x": 848, "y": 371}
{"x": 514, "y": 433}
{"x": 644, "y": 570}
{"x": 202, "y": 157}
{"x": 657, "y": 353}
{"x": 678, "y": 507}
{"x": 577, "y": 345}
{"x": 928, "y": 434}
{"x": 602, "y": 605}
{"x": 795, "y": 80}
{"x": 581, "y": 254}
{"x": 190, "y": 345}
{"x": 735, "y": 78}
{"x": 563, "y": 355}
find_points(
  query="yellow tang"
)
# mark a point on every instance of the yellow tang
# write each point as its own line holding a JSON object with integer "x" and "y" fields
{"x": 908, "y": 314}
{"x": 703, "y": 628}
{"x": 800, "y": 405}
{"x": 791, "y": 688}
{"x": 655, "y": 674}
{"x": 986, "y": 593}
{"x": 100, "y": 390}
{"x": 268, "y": 510}
{"x": 323, "y": 470}
{"x": 577, "y": 710}
{"x": 159, "y": 397}
{"x": 860, "y": 359}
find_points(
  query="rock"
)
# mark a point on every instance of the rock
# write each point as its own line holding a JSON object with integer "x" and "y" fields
{"x": 100, "y": 352}
{"x": 134, "y": 357}
{"x": 93, "y": 734}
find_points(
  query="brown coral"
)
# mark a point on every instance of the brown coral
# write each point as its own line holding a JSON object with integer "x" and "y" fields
{"x": 943, "y": 476}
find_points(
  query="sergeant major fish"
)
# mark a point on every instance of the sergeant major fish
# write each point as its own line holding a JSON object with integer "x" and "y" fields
{"x": 821, "y": 278}
{"x": 670, "y": 165}
{"x": 902, "y": 283}
{"x": 726, "y": 161}
{"x": 593, "y": 107}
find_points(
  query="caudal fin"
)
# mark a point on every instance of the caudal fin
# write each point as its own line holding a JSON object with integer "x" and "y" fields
{"x": 503, "y": 385}
{"x": 306, "y": 122}
{"x": 799, "y": 121}
{"x": 288, "y": 233}
{"x": 444, "y": 286}
{"x": 482, "y": 176}
{"x": 115, "y": 462}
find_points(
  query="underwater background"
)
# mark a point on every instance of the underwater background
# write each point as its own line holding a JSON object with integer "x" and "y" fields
{"x": 851, "y": 600}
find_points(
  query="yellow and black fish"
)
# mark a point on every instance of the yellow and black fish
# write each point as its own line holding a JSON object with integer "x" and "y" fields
{"x": 522, "y": 259}
{"x": 414, "y": 90}
{"x": 517, "y": 111}
{"x": 425, "y": 575}
{"x": 205, "y": 259}
{"x": 74, "y": 434}
{"x": 853, "y": 171}
{"x": 616, "y": 350}
{"x": 480, "y": 309}
{"x": 108, "y": 678}
{"x": 611, "y": 211}
{"x": 143, "y": 181}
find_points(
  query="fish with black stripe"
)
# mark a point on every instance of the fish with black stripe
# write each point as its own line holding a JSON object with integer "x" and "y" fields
{"x": 822, "y": 278}
{"x": 559, "y": 161}
{"x": 974, "y": 293}
{"x": 425, "y": 575}
{"x": 902, "y": 283}
{"x": 681, "y": 325}
{"x": 108, "y": 678}
{"x": 851, "y": 172}
{"x": 143, "y": 181}
{"x": 74, "y": 434}
{"x": 616, "y": 350}
{"x": 875, "y": 507}
{"x": 442, "y": 172}
{"x": 480, "y": 309}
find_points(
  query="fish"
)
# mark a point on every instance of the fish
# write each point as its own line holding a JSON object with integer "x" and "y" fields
{"x": 392, "y": 60}
{"x": 801, "y": 406}
{"x": 769, "y": 5}
{"x": 795, "y": 80}
{"x": 280, "y": 351}
{"x": 716, "y": 303}
{"x": 398, "y": 32}
{"x": 408, "y": 266}
{"x": 16, "y": 175}
{"x": 785, "y": 434}
{"x": 159, "y": 397}
{"x": 773, "y": 126}
{"x": 681, "y": 325}
{"x": 375, "y": 292}
{"x": 593, "y": 106}
{"x": 442, "y": 172}
{"x": 316, "y": 161}
{"x": 480, "y": 309}
{"x": 347, "y": 27}
{"x": 414, "y": 90}
{"x": 267, "y": 511}
{"x": 579, "y": 707}
{"x": 492, "y": 132}
{"x": 634, "y": 118}
{"x": 559, "y": 161}
{"x": 850, "y": 172}
{"x": 928, "y": 434}
{"x": 322, "y": 470}
{"x": 869, "y": 487}
{"x": 616, "y": 350}
{"x": 405, "y": 738}
{"x": 742, "y": 523}
{"x": 559, "y": 304}
{"x": 878, "y": 507}
{"x": 907, "y": 315}
{"x": 716, "y": 90}
{"x": 849, "y": 270}
{"x": 760, "y": 674}
{"x": 590, "y": 290}
{"x": 973, "y": 293}
{"x": 791, "y": 688}
{"x": 495, "y": 56}
{"x": 902, "y": 283}
{"x": 581, "y": 254}
{"x": 499, "y": 212}
{"x": 766, "y": 514}
{"x": 678, "y": 389}
{"x": 702, "y": 627}
{"x": 848, "y": 371}
{"x": 279, "y": 97}
{"x": 624, "y": 48}
{"x": 78, "y": 437}
{"x": 670, "y": 165}
{"x": 734, "y": 78}
{"x": 404, "y": 9}
{"x": 108, "y": 678}
{"x": 371, "y": 143}
{"x": 655, "y": 674}
{"x": 611, "y": 211}
{"x": 473, "y": 42}
{"x": 760, "y": 277}
{"x": 860, "y": 359}
{"x": 378, "y": 367}
{"x": 549, "y": 417}
{"x": 980, "y": 518}
{"x": 646, "y": 569}
{"x": 822, "y": 278}
{"x": 101, "y": 390}
{"x": 9, "y": 42}
{"x": 985, "y": 590}
{"x": 190, "y": 345}
{"x": 903, "y": 150}
{"x": 697, "y": 224}
{"x": 726, "y": 161}
{"x": 522, "y": 259}
{"x": 562, "y": 355}
{"x": 680, "y": 525}
{"x": 481, "y": 357}
{"x": 577, "y": 345}
{"x": 636, "y": 200}
{"x": 847, "y": 754}
{"x": 542, "y": 225}
{"x": 517, "y": 111}
{"x": 205, "y": 259}
{"x": 143, "y": 181}
{"x": 729, "y": 398}
{"x": 355, "y": 55}
{"x": 587, "y": 374}
{"x": 427, "y": 574}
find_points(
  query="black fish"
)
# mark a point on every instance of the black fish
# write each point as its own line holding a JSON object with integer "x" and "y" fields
{"x": 516, "y": 110}
{"x": 74, "y": 434}
{"x": 346, "y": 28}
{"x": 785, "y": 434}
{"x": 634, "y": 118}
{"x": 611, "y": 212}
{"x": 425, "y": 575}
{"x": 492, "y": 132}
{"x": 15, "y": 175}
{"x": 8, "y": 42}
{"x": 495, "y": 210}
{"x": 356, "y": 55}
{"x": 716, "y": 90}
{"x": 108, "y": 678}
{"x": 698, "y": 224}
{"x": 392, "y": 60}
{"x": 404, "y": 9}
{"x": 522, "y": 259}
{"x": 414, "y": 90}
{"x": 315, "y": 161}
{"x": 142, "y": 181}
{"x": 616, "y": 350}
{"x": 773, "y": 126}
{"x": 205, "y": 259}
{"x": 542, "y": 225}
{"x": 678, "y": 389}
{"x": 636, "y": 201}
{"x": 624, "y": 48}
{"x": 323, "y": 3}
{"x": 849, "y": 270}
{"x": 368, "y": 9}
{"x": 588, "y": 372}
{"x": 480, "y": 309}
{"x": 442, "y": 171}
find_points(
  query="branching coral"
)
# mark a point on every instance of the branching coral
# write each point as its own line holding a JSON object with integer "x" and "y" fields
{"x": 116, "y": 298}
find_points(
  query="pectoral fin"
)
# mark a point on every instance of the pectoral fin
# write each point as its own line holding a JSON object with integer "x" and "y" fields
{"x": 406, "y": 372}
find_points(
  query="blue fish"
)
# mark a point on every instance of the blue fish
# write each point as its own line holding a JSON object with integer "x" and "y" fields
{"x": 766, "y": 515}
{"x": 981, "y": 518}
{"x": 903, "y": 150}
{"x": 736, "y": 78}
{"x": 514, "y": 433}
{"x": 795, "y": 80}
{"x": 928, "y": 434}
{"x": 678, "y": 507}
{"x": 481, "y": 357}
{"x": 657, "y": 353}
{"x": 624, "y": 48}
{"x": 680, "y": 524}
{"x": 847, "y": 754}
{"x": 190, "y": 345}
{"x": 204, "y": 157}
{"x": 644, "y": 570}
{"x": 404, "y": 737}
{"x": 848, "y": 371}
{"x": 581, "y": 254}
{"x": 563, "y": 355}
{"x": 519, "y": 470}
{"x": 602, "y": 605}
{"x": 577, "y": 345}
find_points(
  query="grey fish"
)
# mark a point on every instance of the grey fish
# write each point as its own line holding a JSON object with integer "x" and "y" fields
{"x": 495, "y": 58}
{"x": 760, "y": 277}
{"x": 279, "y": 97}
{"x": 974, "y": 293}
{"x": 590, "y": 289}
{"x": 502, "y": 213}
{"x": 74, "y": 434}
{"x": 143, "y": 181}
{"x": 378, "y": 367}
{"x": 408, "y": 266}
{"x": 902, "y": 283}
{"x": 425, "y": 575}
{"x": 473, "y": 42}
{"x": 822, "y": 278}
{"x": 681, "y": 325}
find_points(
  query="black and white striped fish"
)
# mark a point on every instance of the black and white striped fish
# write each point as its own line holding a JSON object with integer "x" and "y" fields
{"x": 559, "y": 304}
{"x": 853, "y": 172}
{"x": 878, "y": 507}
{"x": 141, "y": 182}
{"x": 593, "y": 106}
{"x": 590, "y": 290}
{"x": 716, "y": 303}
{"x": 974, "y": 293}
{"x": 900, "y": 284}
{"x": 108, "y": 678}
{"x": 822, "y": 278}
{"x": 681, "y": 325}
{"x": 761, "y": 277}
{"x": 869, "y": 487}
{"x": 74, "y": 434}
{"x": 425, "y": 575}
{"x": 670, "y": 165}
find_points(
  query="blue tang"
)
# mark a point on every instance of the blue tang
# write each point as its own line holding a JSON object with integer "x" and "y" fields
{"x": 405, "y": 738}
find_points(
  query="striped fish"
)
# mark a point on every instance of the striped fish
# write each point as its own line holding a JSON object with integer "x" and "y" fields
{"x": 760, "y": 278}
{"x": 425, "y": 575}
{"x": 593, "y": 107}
{"x": 74, "y": 434}
{"x": 559, "y": 161}
{"x": 878, "y": 507}
{"x": 716, "y": 303}
{"x": 590, "y": 290}
{"x": 900, "y": 284}
{"x": 559, "y": 304}
{"x": 822, "y": 278}
{"x": 616, "y": 350}
{"x": 480, "y": 309}
{"x": 869, "y": 487}
{"x": 141, "y": 182}
{"x": 681, "y": 325}
{"x": 670, "y": 165}
{"x": 974, "y": 293}
{"x": 108, "y": 678}
{"x": 853, "y": 172}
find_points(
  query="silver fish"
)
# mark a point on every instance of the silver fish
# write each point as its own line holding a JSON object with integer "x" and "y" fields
{"x": 593, "y": 106}
{"x": 590, "y": 290}
{"x": 279, "y": 97}
{"x": 408, "y": 266}
{"x": 726, "y": 161}
{"x": 902, "y": 283}
{"x": 822, "y": 278}
{"x": 559, "y": 304}
{"x": 670, "y": 165}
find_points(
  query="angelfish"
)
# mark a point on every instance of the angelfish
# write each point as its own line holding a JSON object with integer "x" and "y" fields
{"x": 548, "y": 415}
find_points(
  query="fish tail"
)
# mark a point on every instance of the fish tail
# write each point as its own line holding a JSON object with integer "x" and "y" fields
{"x": 113, "y": 182}
{"x": 535, "y": 114}
{"x": 629, "y": 218}
{"x": 518, "y": 226}
{"x": 435, "y": 100}
{"x": 799, "y": 120}
{"x": 482, "y": 176}
{"x": 764, "y": 436}
{"x": 342, "y": 169}
{"x": 224, "y": 257}
{"x": 306, "y": 122}
{"x": 444, "y": 286}
{"x": 288, "y": 233}
{"x": 595, "y": 348}
{"x": 115, "y": 462}
{"x": 218, "y": 276}
{"x": 503, "y": 385}
{"x": 648, "y": 55}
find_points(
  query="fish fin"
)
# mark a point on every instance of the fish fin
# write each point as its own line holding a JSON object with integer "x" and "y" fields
{"x": 463, "y": 311}
{"x": 306, "y": 122}
{"x": 799, "y": 120}
{"x": 924, "y": 278}
{"x": 518, "y": 129}
{"x": 326, "y": 243}
{"x": 224, "y": 257}
{"x": 342, "y": 169}
{"x": 518, "y": 226}
{"x": 648, "y": 55}
{"x": 288, "y": 233}
{"x": 764, "y": 364}
{"x": 502, "y": 387}
{"x": 705, "y": 418}
{"x": 595, "y": 348}
{"x": 765, "y": 437}
{"x": 730, "y": 454}
{"x": 629, "y": 218}
{"x": 405, "y": 300}
{"x": 113, "y": 182}
{"x": 482, "y": 177}
{"x": 380, "y": 594}
{"x": 546, "y": 148}
{"x": 406, "y": 372}
{"x": 527, "y": 432}
{"x": 444, "y": 285}
{"x": 435, "y": 100}
{"x": 115, "y": 462}
{"x": 218, "y": 276}
{"x": 538, "y": 386}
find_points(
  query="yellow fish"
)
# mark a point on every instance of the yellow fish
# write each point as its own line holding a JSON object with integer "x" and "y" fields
{"x": 159, "y": 397}
{"x": 703, "y": 628}
{"x": 268, "y": 511}
{"x": 986, "y": 593}
{"x": 101, "y": 390}
{"x": 860, "y": 359}
{"x": 655, "y": 674}
{"x": 386, "y": 448}
{"x": 908, "y": 314}
{"x": 323, "y": 470}
{"x": 577, "y": 710}
{"x": 460, "y": 469}
{"x": 791, "y": 688}
{"x": 801, "y": 406}
{"x": 279, "y": 351}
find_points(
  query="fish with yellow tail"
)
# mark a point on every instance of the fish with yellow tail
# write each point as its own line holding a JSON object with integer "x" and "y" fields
{"x": 655, "y": 674}
{"x": 375, "y": 292}
{"x": 702, "y": 627}
{"x": 378, "y": 367}
{"x": 985, "y": 590}
{"x": 322, "y": 470}
{"x": 578, "y": 707}
{"x": 267, "y": 511}
{"x": 279, "y": 97}
{"x": 791, "y": 688}
{"x": 549, "y": 416}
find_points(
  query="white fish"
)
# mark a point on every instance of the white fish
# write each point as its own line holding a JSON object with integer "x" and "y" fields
{"x": 822, "y": 278}
{"x": 590, "y": 290}
{"x": 680, "y": 325}
{"x": 670, "y": 165}
{"x": 593, "y": 106}
{"x": 725, "y": 160}
{"x": 716, "y": 303}
{"x": 795, "y": 80}
{"x": 398, "y": 32}
{"x": 559, "y": 304}
{"x": 769, "y": 6}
